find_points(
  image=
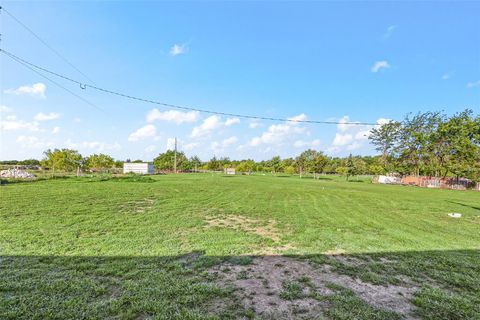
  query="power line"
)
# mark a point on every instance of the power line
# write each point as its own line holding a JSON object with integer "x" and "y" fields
{"x": 85, "y": 86}
{"x": 45, "y": 43}
{"x": 59, "y": 85}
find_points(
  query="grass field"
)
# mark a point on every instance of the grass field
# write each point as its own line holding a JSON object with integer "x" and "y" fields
{"x": 210, "y": 246}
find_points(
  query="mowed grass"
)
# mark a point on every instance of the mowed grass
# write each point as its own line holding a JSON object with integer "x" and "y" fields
{"x": 140, "y": 248}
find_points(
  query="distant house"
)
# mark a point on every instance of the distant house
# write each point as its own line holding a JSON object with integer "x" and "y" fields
{"x": 230, "y": 171}
{"x": 139, "y": 168}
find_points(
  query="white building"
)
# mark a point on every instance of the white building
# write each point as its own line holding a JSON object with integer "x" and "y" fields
{"x": 139, "y": 168}
{"x": 230, "y": 171}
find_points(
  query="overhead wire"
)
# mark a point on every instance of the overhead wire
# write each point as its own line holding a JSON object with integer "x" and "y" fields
{"x": 57, "y": 84}
{"x": 84, "y": 86}
{"x": 58, "y": 54}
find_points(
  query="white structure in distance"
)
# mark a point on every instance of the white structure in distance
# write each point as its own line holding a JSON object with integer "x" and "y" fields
{"x": 139, "y": 168}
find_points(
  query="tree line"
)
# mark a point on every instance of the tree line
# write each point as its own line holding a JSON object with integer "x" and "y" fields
{"x": 427, "y": 143}
{"x": 431, "y": 144}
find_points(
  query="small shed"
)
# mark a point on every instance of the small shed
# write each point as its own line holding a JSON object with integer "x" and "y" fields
{"x": 230, "y": 171}
{"x": 139, "y": 168}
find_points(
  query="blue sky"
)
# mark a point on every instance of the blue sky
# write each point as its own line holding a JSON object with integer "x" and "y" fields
{"x": 345, "y": 61}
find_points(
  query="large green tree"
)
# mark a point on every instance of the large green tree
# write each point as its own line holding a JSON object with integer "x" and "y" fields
{"x": 99, "y": 162}
{"x": 62, "y": 160}
{"x": 166, "y": 161}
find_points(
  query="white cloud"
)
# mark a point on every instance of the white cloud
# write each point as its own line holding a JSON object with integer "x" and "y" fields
{"x": 278, "y": 134}
{"x": 144, "y": 132}
{"x": 307, "y": 144}
{"x": 342, "y": 139}
{"x": 352, "y": 135}
{"x": 231, "y": 121}
{"x": 254, "y": 124}
{"x": 32, "y": 142}
{"x": 5, "y": 109}
{"x": 473, "y": 84}
{"x": 77, "y": 120}
{"x": 178, "y": 49}
{"x": 35, "y": 90}
{"x": 172, "y": 115}
{"x": 93, "y": 146}
{"x": 46, "y": 117}
{"x": 191, "y": 146}
{"x": 225, "y": 143}
{"x": 296, "y": 119}
{"x": 378, "y": 65}
{"x": 389, "y": 32}
{"x": 382, "y": 121}
{"x": 12, "y": 124}
{"x": 210, "y": 124}
{"x": 55, "y": 130}
{"x": 447, "y": 75}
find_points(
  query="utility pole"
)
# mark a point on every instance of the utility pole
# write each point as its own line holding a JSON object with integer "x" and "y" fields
{"x": 175, "y": 157}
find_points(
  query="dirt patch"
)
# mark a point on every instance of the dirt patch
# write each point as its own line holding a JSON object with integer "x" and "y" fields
{"x": 137, "y": 206}
{"x": 264, "y": 229}
{"x": 279, "y": 287}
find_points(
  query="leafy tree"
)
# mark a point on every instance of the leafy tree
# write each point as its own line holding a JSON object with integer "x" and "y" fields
{"x": 275, "y": 164}
{"x": 343, "y": 171}
{"x": 214, "y": 164}
{"x": 165, "y": 161}
{"x": 195, "y": 162}
{"x": 99, "y": 162}
{"x": 320, "y": 162}
{"x": 245, "y": 166}
{"x": 62, "y": 159}
{"x": 289, "y": 170}
{"x": 305, "y": 161}
{"x": 29, "y": 162}
{"x": 118, "y": 164}
{"x": 384, "y": 139}
{"x": 350, "y": 167}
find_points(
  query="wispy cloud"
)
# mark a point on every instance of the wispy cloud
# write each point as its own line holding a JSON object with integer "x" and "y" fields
{"x": 12, "y": 124}
{"x": 5, "y": 109}
{"x": 35, "y": 90}
{"x": 33, "y": 142}
{"x": 389, "y": 32}
{"x": 447, "y": 75}
{"x": 473, "y": 84}
{"x": 378, "y": 65}
{"x": 46, "y": 116}
{"x": 172, "y": 115}
{"x": 178, "y": 49}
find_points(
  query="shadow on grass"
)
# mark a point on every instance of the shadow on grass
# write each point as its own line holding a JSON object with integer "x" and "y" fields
{"x": 464, "y": 205}
{"x": 446, "y": 284}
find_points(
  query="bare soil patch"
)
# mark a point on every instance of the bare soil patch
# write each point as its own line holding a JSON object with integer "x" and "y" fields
{"x": 137, "y": 206}
{"x": 264, "y": 228}
{"x": 279, "y": 287}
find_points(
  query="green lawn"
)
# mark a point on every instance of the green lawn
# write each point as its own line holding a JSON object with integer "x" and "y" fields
{"x": 156, "y": 248}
